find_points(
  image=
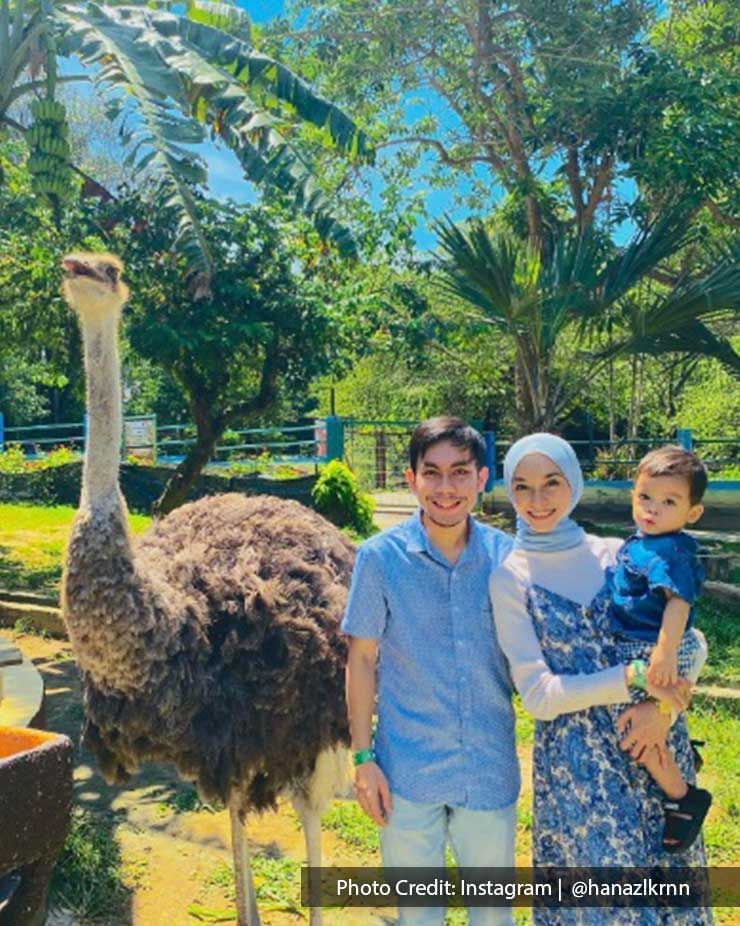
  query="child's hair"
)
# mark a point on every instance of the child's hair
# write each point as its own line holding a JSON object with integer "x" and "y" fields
{"x": 676, "y": 461}
{"x": 454, "y": 430}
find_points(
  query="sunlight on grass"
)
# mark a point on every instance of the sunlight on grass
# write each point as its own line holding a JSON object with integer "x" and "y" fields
{"x": 32, "y": 542}
{"x": 718, "y": 723}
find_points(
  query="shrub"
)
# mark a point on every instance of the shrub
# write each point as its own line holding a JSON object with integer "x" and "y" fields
{"x": 338, "y": 497}
{"x": 13, "y": 460}
{"x": 615, "y": 462}
{"x": 727, "y": 472}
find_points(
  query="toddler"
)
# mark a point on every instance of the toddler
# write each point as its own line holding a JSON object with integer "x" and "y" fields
{"x": 656, "y": 580}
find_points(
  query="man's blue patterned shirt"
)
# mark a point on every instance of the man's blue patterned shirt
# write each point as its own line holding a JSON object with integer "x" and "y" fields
{"x": 445, "y": 731}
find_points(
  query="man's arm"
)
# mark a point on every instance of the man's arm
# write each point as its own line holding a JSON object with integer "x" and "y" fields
{"x": 371, "y": 785}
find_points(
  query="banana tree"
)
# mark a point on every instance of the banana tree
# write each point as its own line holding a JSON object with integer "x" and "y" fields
{"x": 558, "y": 305}
{"x": 175, "y": 78}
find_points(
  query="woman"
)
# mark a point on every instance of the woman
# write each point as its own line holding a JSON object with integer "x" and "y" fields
{"x": 593, "y": 805}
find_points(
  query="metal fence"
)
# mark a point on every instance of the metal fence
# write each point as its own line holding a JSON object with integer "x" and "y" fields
{"x": 299, "y": 445}
{"x": 377, "y": 451}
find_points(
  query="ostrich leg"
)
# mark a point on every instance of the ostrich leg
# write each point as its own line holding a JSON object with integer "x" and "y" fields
{"x": 246, "y": 900}
{"x": 311, "y": 822}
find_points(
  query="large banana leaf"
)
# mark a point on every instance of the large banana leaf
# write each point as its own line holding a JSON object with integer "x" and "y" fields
{"x": 175, "y": 76}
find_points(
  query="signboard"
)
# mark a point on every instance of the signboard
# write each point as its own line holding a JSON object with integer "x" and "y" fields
{"x": 140, "y": 438}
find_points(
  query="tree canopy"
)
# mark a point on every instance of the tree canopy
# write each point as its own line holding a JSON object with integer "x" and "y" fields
{"x": 175, "y": 78}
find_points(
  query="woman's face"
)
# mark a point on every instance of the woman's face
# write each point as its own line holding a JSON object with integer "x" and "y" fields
{"x": 541, "y": 492}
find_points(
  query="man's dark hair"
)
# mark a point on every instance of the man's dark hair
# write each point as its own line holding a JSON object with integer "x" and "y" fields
{"x": 675, "y": 461}
{"x": 435, "y": 430}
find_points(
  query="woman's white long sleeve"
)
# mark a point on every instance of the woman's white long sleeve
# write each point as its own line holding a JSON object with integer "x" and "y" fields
{"x": 544, "y": 694}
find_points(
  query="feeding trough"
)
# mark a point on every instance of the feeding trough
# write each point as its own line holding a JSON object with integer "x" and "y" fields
{"x": 35, "y": 796}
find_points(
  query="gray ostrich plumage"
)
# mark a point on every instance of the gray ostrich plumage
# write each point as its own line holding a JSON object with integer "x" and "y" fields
{"x": 213, "y": 641}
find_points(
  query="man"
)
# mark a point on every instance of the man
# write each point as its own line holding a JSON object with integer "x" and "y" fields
{"x": 443, "y": 765}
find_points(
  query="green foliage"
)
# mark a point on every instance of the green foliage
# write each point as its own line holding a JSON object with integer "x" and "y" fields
{"x": 352, "y": 825}
{"x": 276, "y": 882}
{"x": 616, "y": 462}
{"x": 184, "y": 800}
{"x": 717, "y": 621}
{"x": 40, "y": 357}
{"x": 554, "y": 305}
{"x": 710, "y": 403}
{"x": 12, "y": 460}
{"x": 88, "y": 878}
{"x": 727, "y": 472}
{"x": 685, "y": 89}
{"x": 338, "y": 497}
{"x": 546, "y": 101}
{"x": 211, "y": 79}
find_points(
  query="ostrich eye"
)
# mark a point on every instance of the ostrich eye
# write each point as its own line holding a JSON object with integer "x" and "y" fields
{"x": 112, "y": 274}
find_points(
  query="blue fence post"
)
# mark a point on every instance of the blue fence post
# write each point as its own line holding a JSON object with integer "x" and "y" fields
{"x": 85, "y": 426}
{"x": 2, "y": 432}
{"x": 490, "y": 438}
{"x": 334, "y": 438}
{"x": 685, "y": 438}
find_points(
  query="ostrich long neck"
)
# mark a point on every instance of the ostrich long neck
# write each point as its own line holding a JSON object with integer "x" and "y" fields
{"x": 100, "y": 474}
{"x": 109, "y": 605}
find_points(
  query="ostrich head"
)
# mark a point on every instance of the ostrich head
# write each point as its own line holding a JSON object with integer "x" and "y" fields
{"x": 93, "y": 286}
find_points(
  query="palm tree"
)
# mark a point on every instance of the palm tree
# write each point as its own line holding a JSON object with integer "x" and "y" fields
{"x": 175, "y": 77}
{"x": 559, "y": 303}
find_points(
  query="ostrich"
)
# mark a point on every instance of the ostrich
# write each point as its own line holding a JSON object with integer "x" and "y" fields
{"x": 213, "y": 642}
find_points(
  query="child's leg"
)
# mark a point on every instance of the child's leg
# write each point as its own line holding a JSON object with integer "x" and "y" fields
{"x": 665, "y": 773}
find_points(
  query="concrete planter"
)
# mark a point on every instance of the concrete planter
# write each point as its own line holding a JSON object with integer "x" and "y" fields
{"x": 35, "y": 807}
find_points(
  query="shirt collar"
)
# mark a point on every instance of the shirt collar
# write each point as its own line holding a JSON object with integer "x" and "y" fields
{"x": 417, "y": 540}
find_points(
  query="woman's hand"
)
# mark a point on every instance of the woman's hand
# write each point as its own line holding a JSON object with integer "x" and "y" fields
{"x": 642, "y": 727}
{"x": 373, "y": 793}
{"x": 676, "y": 696}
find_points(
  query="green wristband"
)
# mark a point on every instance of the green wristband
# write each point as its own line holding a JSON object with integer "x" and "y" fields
{"x": 362, "y": 756}
{"x": 639, "y": 676}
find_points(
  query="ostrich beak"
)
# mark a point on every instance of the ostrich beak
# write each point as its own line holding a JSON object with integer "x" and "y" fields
{"x": 75, "y": 267}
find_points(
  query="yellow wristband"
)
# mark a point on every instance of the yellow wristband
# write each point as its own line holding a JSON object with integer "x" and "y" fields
{"x": 665, "y": 708}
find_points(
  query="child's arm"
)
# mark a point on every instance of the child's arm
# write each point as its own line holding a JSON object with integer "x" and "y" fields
{"x": 663, "y": 666}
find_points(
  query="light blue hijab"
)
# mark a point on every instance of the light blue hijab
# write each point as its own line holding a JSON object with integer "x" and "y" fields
{"x": 567, "y": 533}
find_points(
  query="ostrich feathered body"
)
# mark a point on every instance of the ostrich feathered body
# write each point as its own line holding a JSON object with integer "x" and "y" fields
{"x": 228, "y": 612}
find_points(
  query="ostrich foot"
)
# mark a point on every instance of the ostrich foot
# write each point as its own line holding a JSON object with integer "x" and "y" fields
{"x": 246, "y": 901}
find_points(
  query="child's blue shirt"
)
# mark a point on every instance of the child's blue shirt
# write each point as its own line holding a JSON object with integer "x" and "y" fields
{"x": 645, "y": 565}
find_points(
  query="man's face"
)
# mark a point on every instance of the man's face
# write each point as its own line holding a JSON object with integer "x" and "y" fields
{"x": 446, "y": 483}
{"x": 662, "y": 504}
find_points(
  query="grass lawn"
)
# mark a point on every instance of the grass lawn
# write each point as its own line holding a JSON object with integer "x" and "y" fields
{"x": 32, "y": 540}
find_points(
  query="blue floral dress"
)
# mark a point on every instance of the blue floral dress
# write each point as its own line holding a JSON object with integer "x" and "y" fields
{"x": 593, "y": 805}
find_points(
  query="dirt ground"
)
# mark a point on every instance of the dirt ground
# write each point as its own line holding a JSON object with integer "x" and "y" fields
{"x": 168, "y": 857}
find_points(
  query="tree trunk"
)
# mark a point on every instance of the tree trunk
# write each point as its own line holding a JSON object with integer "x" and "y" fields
{"x": 636, "y": 397}
{"x": 612, "y": 415}
{"x": 523, "y": 411}
{"x": 182, "y": 480}
{"x": 176, "y": 491}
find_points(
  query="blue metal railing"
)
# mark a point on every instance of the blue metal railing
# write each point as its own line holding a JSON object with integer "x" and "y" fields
{"x": 376, "y": 450}
{"x": 304, "y": 444}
